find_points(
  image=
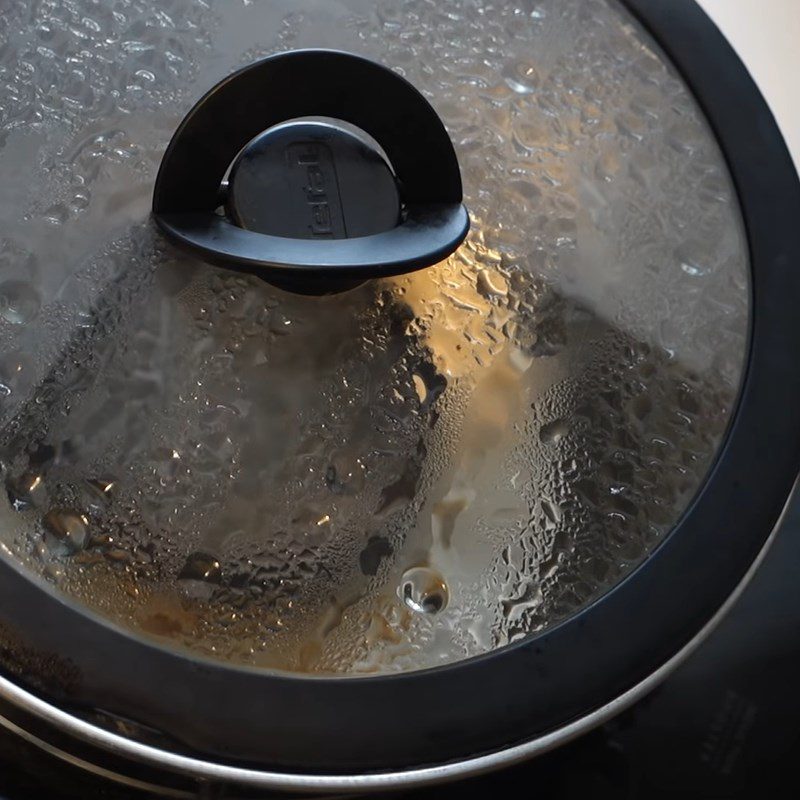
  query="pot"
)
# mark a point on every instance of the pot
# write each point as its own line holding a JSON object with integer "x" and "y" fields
{"x": 389, "y": 393}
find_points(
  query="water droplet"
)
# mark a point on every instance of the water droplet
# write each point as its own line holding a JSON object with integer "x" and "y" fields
{"x": 201, "y": 567}
{"x": 693, "y": 269}
{"x": 102, "y": 487}
{"x": 345, "y": 475}
{"x": 492, "y": 284}
{"x": 15, "y": 373}
{"x": 26, "y": 491}
{"x": 554, "y": 432}
{"x": 19, "y": 302}
{"x": 695, "y": 258}
{"x": 552, "y": 512}
{"x": 424, "y": 590}
{"x": 421, "y": 389}
{"x": 521, "y": 77}
{"x": 280, "y": 325}
{"x": 607, "y": 166}
{"x": 68, "y": 527}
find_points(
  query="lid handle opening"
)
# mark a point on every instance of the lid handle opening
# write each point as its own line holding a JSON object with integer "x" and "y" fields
{"x": 309, "y": 204}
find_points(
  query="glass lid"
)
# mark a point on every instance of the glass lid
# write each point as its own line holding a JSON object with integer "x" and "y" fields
{"x": 416, "y": 471}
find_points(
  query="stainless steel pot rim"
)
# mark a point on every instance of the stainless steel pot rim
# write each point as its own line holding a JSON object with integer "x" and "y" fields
{"x": 424, "y": 776}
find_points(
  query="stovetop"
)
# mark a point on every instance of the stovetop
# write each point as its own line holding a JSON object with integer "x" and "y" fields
{"x": 725, "y": 725}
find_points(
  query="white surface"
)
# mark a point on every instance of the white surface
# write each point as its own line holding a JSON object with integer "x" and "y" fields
{"x": 766, "y": 34}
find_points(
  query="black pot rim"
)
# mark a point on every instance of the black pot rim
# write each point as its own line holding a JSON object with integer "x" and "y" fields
{"x": 527, "y": 690}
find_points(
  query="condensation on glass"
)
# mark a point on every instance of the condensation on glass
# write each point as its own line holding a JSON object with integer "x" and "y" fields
{"x": 420, "y": 470}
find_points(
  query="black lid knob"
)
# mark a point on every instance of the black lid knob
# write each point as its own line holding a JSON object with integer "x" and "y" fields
{"x": 312, "y": 180}
{"x": 313, "y": 206}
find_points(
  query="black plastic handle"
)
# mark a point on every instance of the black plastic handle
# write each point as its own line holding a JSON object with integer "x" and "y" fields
{"x": 410, "y": 209}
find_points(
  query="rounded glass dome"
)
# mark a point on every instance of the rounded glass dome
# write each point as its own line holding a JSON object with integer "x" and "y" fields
{"x": 420, "y": 470}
